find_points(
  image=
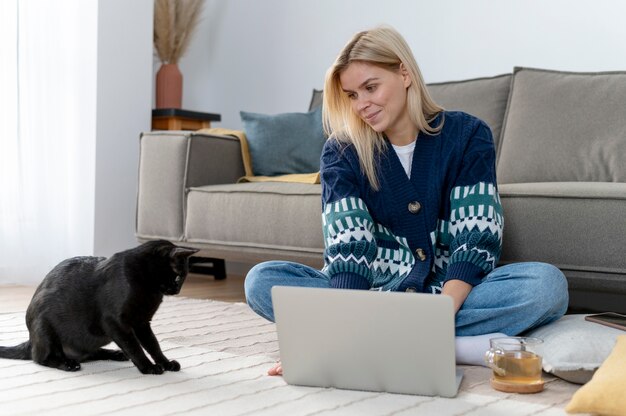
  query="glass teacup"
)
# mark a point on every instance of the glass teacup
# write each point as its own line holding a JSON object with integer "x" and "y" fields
{"x": 516, "y": 364}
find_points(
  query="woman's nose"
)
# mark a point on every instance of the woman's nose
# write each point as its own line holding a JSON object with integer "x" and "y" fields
{"x": 362, "y": 104}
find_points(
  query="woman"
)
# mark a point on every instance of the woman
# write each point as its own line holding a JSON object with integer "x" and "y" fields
{"x": 410, "y": 203}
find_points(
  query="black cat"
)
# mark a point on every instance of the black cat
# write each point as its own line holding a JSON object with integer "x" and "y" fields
{"x": 85, "y": 303}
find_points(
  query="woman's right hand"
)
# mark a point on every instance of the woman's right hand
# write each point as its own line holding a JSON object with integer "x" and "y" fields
{"x": 277, "y": 370}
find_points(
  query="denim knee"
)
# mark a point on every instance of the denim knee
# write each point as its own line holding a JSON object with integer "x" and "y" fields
{"x": 257, "y": 288}
{"x": 513, "y": 299}
{"x": 250, "y": 282}
{"x": 555, "y": 282}
{"x": 562, "y": 290}
{"x": 262, "y": 277}
{"x": 255, "y": 284}
{"x": 552, "y": 298}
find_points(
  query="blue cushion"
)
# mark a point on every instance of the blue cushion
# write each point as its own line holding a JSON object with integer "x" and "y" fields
{"x": 284, "y": 143}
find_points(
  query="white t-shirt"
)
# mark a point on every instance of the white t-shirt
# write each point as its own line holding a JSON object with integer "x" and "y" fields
{"x": 405, "y": 154}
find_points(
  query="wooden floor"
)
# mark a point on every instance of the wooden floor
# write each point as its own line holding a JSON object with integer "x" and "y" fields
{"x": 17, "y": 298}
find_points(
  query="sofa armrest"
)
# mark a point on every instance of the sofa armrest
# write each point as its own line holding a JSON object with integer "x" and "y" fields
{"x": 169, "y": 164}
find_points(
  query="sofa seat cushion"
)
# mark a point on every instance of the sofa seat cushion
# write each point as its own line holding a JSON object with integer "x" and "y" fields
{"x": 284, "y": 216}
{"x": 573, "y": 225}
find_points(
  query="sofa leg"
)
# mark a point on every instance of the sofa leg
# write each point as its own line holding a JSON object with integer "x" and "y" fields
{"x": 207, "y": 265}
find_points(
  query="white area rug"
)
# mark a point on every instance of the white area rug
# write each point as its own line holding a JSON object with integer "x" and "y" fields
{"x": 225, "y": 350}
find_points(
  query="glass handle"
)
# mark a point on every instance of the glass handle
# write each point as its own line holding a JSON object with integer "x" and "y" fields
{"x": 490, "y": 356}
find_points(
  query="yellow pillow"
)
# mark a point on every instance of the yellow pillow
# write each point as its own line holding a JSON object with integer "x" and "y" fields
{"x": 604, "y": 393}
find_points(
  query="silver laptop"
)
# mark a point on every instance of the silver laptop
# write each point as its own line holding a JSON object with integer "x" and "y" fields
{"x": 367, "y": 340}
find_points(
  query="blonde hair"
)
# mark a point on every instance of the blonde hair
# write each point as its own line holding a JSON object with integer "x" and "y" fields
{"x": 386, "y": 48}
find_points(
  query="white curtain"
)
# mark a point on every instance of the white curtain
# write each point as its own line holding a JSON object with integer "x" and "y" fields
{"x": 48, "y": 62}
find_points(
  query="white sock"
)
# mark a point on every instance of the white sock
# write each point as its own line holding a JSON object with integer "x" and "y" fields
{"x": 471, "y": 350}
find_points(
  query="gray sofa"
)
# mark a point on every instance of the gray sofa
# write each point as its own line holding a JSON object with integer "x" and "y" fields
{"x": 561, "y": 164}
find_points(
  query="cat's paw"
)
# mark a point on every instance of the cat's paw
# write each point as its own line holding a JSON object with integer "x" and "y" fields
{"x": 171, "y": 366}
{"x": 70, "y": 365}
{"x": 153, "y": 369}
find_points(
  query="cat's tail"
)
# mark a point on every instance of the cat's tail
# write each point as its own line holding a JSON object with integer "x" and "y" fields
{"x": 18, "y": 352}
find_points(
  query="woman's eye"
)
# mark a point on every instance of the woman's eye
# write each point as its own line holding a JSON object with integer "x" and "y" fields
{"x": 371, "y": 88}
{"x": 352, "y": 96}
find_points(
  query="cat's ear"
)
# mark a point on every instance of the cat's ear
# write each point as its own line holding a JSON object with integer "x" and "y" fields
{"x": 181, "y": 252}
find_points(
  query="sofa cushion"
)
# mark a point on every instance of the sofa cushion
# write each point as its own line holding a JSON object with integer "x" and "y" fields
{"x": 576, "y": 226}
{"x": 573, "y": 348}
{"x": 564, "y": 126}
{"x": 285, "y": 216}
{"x": 543, "y": 218}
{"x": 484, "y": 98}
{"x": 284, "y": 143}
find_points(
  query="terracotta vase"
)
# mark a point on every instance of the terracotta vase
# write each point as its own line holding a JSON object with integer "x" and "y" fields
{"x": 169, "y": 87}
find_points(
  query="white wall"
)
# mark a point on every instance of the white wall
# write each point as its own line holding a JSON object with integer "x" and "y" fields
{"x": 124, "y": 95}
{"x": 267, "y": 56}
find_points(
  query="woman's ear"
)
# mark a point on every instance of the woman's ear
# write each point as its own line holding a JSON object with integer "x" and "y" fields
{"x": 405, "y": 75}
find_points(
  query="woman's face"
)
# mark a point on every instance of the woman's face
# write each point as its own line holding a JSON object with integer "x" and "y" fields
{"x": 378, "y": 95}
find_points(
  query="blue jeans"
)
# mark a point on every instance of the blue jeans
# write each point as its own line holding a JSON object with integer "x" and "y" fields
{"x": 511, "y": 299}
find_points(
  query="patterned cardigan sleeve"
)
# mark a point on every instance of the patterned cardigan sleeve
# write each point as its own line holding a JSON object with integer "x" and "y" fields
{"x": 350, "y": 247}
{"x": 476, "y": 220}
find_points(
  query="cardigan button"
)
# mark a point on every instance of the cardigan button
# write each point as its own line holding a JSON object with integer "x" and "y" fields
{"x": 420, "y": 254}
{"x": 411, "y": 289}
{"x": 414, "y": 207}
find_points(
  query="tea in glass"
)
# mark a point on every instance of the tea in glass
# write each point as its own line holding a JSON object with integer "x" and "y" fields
{"x": 516, "y": 364}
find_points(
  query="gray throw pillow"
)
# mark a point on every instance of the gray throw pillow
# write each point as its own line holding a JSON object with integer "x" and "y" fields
{"x": 284, "y": 143}
{"x": 573, "y": 349}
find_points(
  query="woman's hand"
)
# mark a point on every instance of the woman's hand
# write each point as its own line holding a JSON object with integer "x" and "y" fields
{"x": 458, "y": 291}
{"x": 277, "y": 370}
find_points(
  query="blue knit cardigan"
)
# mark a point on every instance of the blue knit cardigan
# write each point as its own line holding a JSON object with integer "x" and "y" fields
{"x": 443, "y": 223}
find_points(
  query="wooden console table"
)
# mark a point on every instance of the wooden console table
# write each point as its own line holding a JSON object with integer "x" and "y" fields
{"x": 178, "y": 119}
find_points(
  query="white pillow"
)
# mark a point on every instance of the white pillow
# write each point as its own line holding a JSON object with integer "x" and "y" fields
{"x": 573, "y": 348}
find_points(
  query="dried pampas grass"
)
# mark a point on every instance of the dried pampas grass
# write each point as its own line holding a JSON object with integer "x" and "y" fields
{"x": 174, "y": 23}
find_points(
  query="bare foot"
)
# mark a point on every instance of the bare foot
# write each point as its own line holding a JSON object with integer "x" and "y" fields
{"x": 277, "y": 370}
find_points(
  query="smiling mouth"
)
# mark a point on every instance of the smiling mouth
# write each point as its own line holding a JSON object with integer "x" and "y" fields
{"x": 372, "y": 116}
